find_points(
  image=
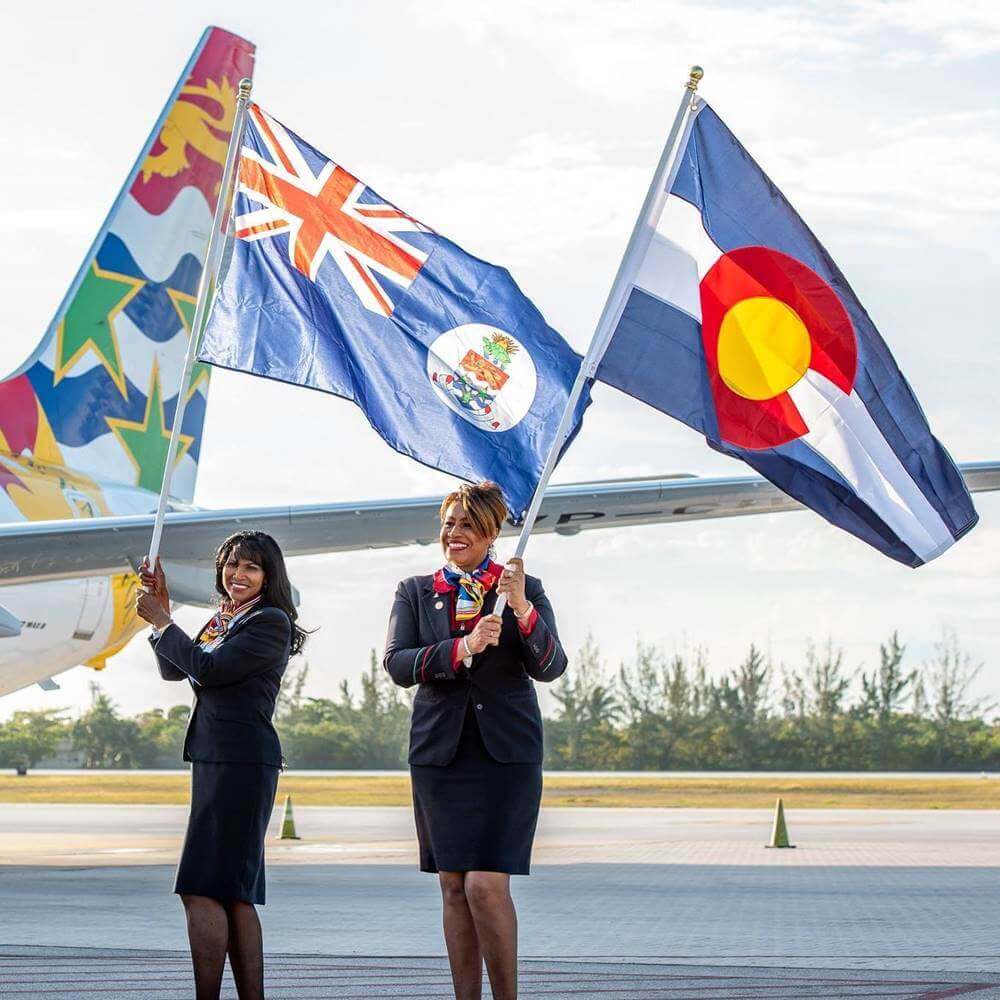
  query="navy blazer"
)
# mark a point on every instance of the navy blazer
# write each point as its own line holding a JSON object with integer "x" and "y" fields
{"x": 499, "y": 684}
{"x": 235, "y": 686}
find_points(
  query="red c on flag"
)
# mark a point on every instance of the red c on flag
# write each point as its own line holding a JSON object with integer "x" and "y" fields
{"x": 766, "y": 319}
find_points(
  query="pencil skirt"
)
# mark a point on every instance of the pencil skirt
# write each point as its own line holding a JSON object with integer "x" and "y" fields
{"x": 223, "y": 853}
{"x": 476, "y": 814}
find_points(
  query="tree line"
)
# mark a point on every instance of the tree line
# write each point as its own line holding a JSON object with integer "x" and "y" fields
{"x": 656, "y": 711}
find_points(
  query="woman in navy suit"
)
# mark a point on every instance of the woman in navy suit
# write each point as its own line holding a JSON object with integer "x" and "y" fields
{"x": 476, "y": 733}
{"x": 234, "y": 666}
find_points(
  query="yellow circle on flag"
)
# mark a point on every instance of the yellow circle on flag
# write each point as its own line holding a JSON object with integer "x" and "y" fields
{"x": 764, "y": 348}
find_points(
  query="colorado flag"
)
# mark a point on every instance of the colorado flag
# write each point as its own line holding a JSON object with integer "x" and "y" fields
{"x": 761, "y": 345}
{"x": 330, "y": 286}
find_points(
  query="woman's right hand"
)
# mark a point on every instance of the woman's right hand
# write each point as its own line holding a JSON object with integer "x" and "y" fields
{"x": 155, "y": 583}
{"x": 486, "y": 633}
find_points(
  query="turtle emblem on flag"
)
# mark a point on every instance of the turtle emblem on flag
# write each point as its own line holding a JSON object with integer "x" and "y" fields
{"x": 484, "y": 374}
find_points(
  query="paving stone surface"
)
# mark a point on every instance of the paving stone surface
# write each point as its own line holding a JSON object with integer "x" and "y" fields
{"x": 621, "y": 904}
{"x": 930, "y": 919}
{"x": 65, "y": 974}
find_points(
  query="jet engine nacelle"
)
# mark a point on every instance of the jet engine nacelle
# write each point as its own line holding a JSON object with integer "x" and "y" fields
{"x": 10, "y": 625}
{"x": 60, "y": 626}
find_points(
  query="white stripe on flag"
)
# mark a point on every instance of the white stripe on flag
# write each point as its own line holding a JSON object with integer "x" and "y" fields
{"x": 669, "y": 273}
{"x": 841, "y": 431}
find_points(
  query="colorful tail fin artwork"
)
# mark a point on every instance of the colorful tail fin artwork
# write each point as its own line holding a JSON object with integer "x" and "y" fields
{"x": 98, "y": 394}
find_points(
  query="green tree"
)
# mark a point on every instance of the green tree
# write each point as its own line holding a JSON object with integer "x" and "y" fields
{"x": 291, "y": 694}
{"x": 28, "y": 736}
{"x": 741, "y": 702}
{"x": 657, "y": 712}
{"x": 340, "y": 733}
{"x": 104, "y": 737}
{"x": 662, "y": 708}
{"x": 647, "y": 737}
{"x": 950, "y": 677}
{"x": 583, "y": 734}
{"x": 382, "y": 718}
{"x": 814, "y": 706}
{"x": 885, "y": 693}
{"x": 160, "y": 737}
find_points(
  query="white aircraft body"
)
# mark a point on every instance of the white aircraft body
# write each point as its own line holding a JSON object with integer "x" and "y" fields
{"x": 84, "y": 423}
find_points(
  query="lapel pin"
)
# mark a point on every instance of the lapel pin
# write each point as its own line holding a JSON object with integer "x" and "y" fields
{"x": 439, "y": 605}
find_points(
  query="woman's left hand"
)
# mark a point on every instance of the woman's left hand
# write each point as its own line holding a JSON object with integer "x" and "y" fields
{"x": 512, "y": 584}
{"x": 149, "y": 608}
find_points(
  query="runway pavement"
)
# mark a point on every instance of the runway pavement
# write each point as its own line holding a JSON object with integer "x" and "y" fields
{"x": 621, "y": 903}
{"x": 117, "y": 835}
{"x": 123, "y": 975}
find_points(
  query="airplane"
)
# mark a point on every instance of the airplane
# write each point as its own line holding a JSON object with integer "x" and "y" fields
{"x": 85, "y": 420}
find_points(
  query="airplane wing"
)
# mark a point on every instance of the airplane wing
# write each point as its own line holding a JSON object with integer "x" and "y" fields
{"x": 52, "y": 550}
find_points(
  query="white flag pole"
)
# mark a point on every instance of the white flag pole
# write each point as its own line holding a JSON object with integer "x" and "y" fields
{"x": 206, "y": 285}
{"x": 635, "y": 250}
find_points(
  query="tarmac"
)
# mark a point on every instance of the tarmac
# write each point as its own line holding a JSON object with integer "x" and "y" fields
{"x": 122, "y": 975}
{"x": 621, "y": 903}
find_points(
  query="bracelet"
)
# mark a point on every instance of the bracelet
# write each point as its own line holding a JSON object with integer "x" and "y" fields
{"x": 465, "y": 643}
{"x": 157, "y": 632}
{"x": 531, "y": 608}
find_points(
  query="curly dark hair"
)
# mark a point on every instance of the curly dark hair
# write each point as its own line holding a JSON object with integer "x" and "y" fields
{"x": 262, "y": 549}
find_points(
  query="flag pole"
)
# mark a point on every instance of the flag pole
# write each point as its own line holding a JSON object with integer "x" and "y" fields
{"x": 206, "y": 284}
{"x": 635, "y": 250}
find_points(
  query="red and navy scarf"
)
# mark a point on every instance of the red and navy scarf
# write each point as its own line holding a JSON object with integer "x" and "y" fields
{"x": 472, "y": 587}
{"x": 220, "y": 621}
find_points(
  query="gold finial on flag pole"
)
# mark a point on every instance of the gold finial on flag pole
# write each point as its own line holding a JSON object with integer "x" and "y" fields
{"x": 246, "y": 83}
{"x": 636, "y": 248}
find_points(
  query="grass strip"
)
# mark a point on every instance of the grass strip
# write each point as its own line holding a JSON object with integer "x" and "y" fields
{"x": 124, "y": 788}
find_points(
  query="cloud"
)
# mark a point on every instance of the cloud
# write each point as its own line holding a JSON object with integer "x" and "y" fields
{"x": 932, "y": 176}
{"x": 949, "y": 32}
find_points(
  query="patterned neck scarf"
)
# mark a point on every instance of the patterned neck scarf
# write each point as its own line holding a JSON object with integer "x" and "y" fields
{"x": 221, "y": 620}
{"x": 472, "y": 587}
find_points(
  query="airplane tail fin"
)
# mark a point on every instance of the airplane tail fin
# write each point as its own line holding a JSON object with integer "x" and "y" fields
{"x": 98, "y": 394}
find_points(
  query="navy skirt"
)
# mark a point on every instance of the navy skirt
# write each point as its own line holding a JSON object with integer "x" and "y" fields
{"x": 476, "y": 814}
{"x": 223, "y": 855}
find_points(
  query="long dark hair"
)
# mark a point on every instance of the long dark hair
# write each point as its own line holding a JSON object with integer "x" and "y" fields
{"x": 258, "y": 547}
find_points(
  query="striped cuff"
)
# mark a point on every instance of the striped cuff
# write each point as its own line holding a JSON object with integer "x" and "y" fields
{"x": 420, "y": 659}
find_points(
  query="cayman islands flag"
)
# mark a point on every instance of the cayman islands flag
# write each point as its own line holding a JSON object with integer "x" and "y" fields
{"x": 753, "y": 337}
{"x": 330, "y": 286}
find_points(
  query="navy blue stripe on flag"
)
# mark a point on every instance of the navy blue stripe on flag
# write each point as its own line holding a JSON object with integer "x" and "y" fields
{"x": 656, "y": 356}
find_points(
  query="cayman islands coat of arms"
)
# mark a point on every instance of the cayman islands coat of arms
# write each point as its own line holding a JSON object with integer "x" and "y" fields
{"x": 483, "y": 374}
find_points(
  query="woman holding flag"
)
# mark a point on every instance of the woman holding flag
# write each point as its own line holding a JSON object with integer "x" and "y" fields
{"x": 234, "y": 665}
{"x": 476, "y": 733}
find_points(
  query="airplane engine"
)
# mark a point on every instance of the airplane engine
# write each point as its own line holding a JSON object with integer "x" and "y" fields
{"x": 59, "y": 624}
{"x": 10, "y": 625}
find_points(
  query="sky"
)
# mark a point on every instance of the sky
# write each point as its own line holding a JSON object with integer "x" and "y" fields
{"x": 528, "y": 133}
